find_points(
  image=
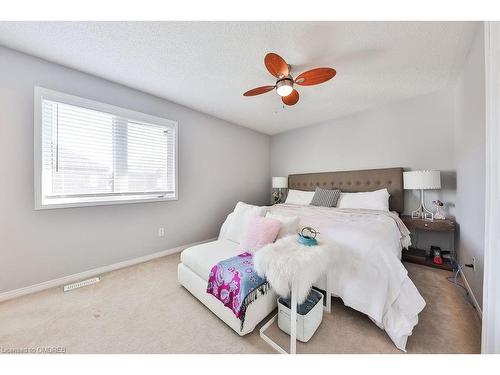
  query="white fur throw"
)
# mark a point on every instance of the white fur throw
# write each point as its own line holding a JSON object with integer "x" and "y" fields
{"x": 286, "y": 262}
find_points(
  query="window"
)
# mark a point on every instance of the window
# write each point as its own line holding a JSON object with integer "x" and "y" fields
{"x": 89, "y": 153}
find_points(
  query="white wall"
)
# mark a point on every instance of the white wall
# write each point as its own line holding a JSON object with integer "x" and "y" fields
{"x": 470, "y": 159}
{"x": 219, "y": 164}
{"x": 413, "y": 134}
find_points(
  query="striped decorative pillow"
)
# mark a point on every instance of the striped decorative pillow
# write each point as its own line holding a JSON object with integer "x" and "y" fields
{"x": 325, "y": 197}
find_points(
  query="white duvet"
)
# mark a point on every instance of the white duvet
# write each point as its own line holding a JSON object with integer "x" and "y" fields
{"x": 366, "y": 271}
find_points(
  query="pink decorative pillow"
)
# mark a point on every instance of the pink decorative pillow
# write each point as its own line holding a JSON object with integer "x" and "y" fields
{"x": 260, "y": 231}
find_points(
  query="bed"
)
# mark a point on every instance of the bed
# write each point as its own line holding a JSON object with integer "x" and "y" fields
{"x": 366, "y": 270}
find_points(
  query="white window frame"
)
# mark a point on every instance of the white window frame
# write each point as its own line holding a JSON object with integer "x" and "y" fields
{"x": 41, "y": 93}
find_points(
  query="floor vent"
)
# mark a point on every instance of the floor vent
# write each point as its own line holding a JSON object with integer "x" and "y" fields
{"x": 80, "y": 284}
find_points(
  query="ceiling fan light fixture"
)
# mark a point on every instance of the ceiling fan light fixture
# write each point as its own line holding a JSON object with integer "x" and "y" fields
{"x": 279, "y": 69}
{"x": 284, "y": 87}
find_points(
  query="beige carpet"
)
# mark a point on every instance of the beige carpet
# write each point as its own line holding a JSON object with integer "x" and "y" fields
{"x": 142, "y": 309}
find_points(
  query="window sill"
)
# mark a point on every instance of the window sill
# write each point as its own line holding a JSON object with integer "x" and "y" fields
{"x": 40, "y": 206}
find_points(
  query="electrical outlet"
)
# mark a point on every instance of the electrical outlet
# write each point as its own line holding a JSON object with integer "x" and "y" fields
{"x": 473, "y": 263}
{"x": 161, "y": 232}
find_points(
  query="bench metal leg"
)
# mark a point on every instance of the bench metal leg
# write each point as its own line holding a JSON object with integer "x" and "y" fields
{"x": 328, "y": 295}
{"x": 264, "y": 337}
{"x": 293, "y": 327}
{"x": 293, "y": 321}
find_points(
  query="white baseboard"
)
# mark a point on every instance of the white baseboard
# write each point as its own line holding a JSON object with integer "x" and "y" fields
{"x": 91, "y": 273}
{"x": 473, "y": 297}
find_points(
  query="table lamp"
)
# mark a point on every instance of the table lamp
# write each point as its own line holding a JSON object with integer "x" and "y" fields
{"x": 422, "y": 180}
{"x": 280, "y": 183}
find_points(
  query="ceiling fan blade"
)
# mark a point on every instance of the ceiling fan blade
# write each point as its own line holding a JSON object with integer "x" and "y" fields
{"x": 259, "y": 90}
{"x": 276, "y": 65}
{"x": 315, "y": 76}
{"x": 291, "y": 99}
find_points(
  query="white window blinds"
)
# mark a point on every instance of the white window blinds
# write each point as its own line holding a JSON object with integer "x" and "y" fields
{"x": 95, "y": 154}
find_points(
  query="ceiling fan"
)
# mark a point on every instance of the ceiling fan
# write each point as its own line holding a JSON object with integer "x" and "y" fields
{"x": 279, "y": 68}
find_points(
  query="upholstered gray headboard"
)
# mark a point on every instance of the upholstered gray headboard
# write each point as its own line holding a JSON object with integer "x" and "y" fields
{"x": 355, "y": 181}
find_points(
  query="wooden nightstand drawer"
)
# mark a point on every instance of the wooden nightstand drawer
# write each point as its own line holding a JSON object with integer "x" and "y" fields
{"x": 436, "y": 225}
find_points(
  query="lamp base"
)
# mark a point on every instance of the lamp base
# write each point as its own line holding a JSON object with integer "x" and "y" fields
{"x": 278, "y": 196}
{"x": 422, "y": 212}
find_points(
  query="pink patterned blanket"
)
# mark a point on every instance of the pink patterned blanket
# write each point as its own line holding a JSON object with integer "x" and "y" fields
{"x": 235, "y": 283}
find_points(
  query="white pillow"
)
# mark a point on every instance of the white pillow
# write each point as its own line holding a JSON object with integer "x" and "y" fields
{"x": 299, "y": 197}
{"x": 289, "y": 224}
{"x": 242, "y": 212}
{"x": 371, "y": 200}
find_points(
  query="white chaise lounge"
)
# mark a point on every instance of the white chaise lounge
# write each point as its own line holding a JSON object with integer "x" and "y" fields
{"x": 193, "y": 271}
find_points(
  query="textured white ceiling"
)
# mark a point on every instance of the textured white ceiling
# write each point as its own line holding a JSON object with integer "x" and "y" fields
{"x": 208, "y": 65}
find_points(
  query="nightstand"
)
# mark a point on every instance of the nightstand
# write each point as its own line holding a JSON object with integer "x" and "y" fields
{"x": 420, "y": 256}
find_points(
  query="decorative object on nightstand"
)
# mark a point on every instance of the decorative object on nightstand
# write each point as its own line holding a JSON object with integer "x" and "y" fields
{"x": 279, "y": 183}
{"x": 422, "y": 180}
{"x": 420, "y": 256}
{"x": 439, "y": 215}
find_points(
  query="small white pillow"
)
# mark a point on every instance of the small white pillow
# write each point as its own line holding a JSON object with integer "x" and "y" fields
{"x": 299, "y": 197}
{"x": 241, "y": 214}
{"x": 289, "y": 224}
{"x": 370, "y": 200}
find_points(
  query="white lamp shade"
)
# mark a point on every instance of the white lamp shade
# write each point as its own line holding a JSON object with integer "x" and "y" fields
{"x": 280, "y": 182}
{"x": 416, "y": 180}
